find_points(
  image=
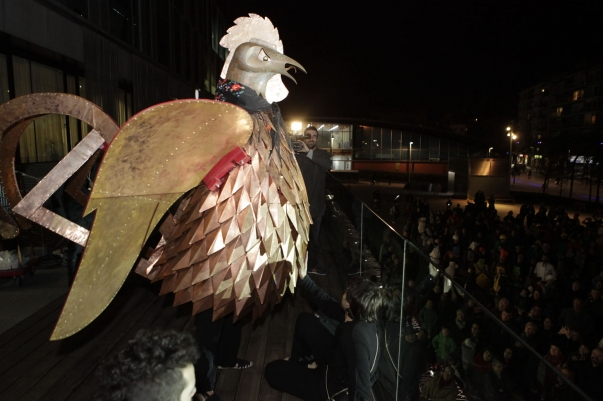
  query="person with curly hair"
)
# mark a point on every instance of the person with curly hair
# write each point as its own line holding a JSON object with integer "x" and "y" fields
{"x": 155, "y": 366}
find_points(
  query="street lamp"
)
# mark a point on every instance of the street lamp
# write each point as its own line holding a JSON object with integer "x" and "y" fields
{"x": 296, "y": 126}
{"x": 490, "y": 151}
{"x": 409, "y": 160}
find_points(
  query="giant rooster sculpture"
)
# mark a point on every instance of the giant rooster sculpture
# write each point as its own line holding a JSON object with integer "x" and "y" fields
{"x": 218, "y": 179}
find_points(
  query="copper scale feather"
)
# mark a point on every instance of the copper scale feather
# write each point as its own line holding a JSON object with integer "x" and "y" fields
{"x": 238, "y": 249}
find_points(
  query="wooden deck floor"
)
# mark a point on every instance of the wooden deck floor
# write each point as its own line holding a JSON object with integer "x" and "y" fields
{"x": 32, "y": 368}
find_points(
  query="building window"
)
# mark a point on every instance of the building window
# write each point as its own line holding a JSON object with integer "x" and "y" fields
{"x": 44, "y": 140}
{"x": 50, "y": 137}
{"x": 593, "y": 119}
{"x": 578, "y": 94}
{"x": 559, "y": 111}
{"x": 124, "y": 104}
{"x": 4, "y": 89}
{"x": 163, "y": 39}
{"x": 80, "y": 7}
{"x": 124, "y": 22}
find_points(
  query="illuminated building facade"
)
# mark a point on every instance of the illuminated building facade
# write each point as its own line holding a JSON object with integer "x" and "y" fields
{"x": 388, "y": 147}
{"x": 568, "y": 105}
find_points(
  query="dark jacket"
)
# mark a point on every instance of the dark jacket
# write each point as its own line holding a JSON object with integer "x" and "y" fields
{"x": 411, "y": 365}
{"x": 497, "y": 388}
{"x": 314, "y": 172}
{"x": 353, "y": 363}
{"x": 434, "y": 392}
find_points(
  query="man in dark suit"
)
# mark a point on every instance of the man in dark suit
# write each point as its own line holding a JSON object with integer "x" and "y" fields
{"x": 314, "y": 164}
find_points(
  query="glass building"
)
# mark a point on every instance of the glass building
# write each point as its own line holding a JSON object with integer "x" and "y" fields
{"x": 381, "y": 146}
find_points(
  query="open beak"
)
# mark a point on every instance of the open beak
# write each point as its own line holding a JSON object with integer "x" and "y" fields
{"x": 285, "y": 64}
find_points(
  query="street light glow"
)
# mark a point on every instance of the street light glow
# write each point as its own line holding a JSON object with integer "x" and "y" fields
{"x": 296, "y": 126}
{"x": 508, "y": 129}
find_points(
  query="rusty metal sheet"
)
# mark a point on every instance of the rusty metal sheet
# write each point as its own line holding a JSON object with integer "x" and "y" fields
{"x": 159, "y": 155}
{"x": 18, "y": 113}
{"x": 31, "y": 205}
{"x": 73, "y": 186}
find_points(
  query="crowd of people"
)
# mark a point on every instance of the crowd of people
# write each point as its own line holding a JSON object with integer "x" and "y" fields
{"x": 538, "y": 278}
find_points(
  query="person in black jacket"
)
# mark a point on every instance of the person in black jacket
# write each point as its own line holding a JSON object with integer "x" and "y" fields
{"x": 349, "y": 370}
{"x": 404, "y": 366}
{"x": 314, "y": 164}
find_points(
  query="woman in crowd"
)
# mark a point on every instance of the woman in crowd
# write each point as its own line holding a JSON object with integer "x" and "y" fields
{"x": 441, "y": 387}
{"x": 498, "y": 385}
{"x": 482, "y": 363}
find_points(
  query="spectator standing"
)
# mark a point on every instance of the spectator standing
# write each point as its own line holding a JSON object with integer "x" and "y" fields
{"x": 589, "y": 374}
{"x": 444, "y": 346}
{"x": 498, "y": 385}
{"x": 441, "y": 387}
{"x": 544, "y": 268}
{"x": 314, "y": 164}
{"x": 428, "y": 318}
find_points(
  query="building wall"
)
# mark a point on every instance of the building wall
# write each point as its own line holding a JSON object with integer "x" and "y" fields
{"x": 386, "y": 144}
{"x": 376, "y": 148}
{"x": 435, "y": 168}
{"x": 489, "y": 175}
{"x": 567, "y": 105}
{"x": 124, "y": 55}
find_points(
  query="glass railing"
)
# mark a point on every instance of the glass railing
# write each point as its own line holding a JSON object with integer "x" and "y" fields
{"x": 442, "y": 336}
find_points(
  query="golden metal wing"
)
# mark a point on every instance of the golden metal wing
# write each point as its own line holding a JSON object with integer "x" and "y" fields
{"x": 238, "y": 249}
{"x": 158, "y": 155}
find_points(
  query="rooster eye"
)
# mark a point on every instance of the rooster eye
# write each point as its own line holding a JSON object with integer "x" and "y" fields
{"x": 262, "y": 56}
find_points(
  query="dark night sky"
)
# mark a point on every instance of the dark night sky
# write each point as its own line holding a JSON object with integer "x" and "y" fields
{"x": 467, "y": 57}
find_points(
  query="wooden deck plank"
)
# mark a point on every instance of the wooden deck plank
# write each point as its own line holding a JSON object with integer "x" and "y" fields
{"x": 228, "y": 379}
{"x": 45, "y": 358}
{"x": 249, "y": 383}
{"x": 25, "y": 342}
{"x": 14, "y": 338}
{"x": 275, "y": 347}
{"x": 298, "y": 305}
{"x": 81, "y": 366}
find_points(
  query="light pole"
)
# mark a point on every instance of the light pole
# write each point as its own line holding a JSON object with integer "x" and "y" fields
{"x": 409, "y": 160}
{"x": 490, "y": 151}
{"x": 512, "y": 137}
